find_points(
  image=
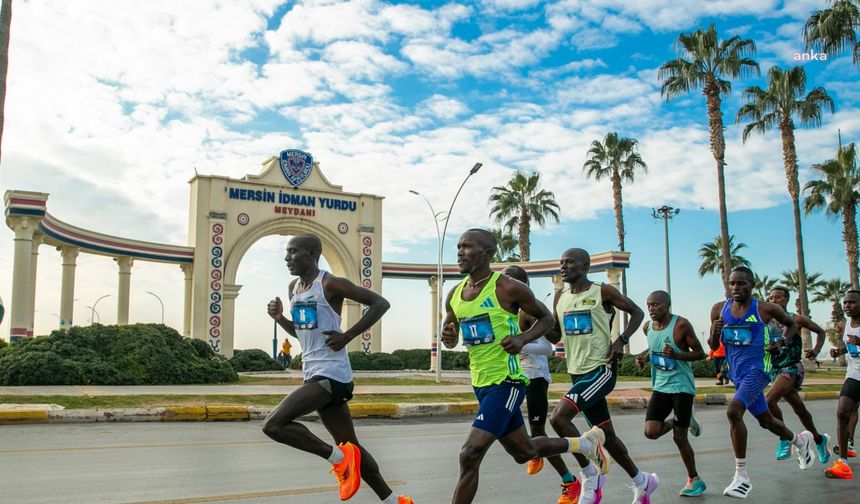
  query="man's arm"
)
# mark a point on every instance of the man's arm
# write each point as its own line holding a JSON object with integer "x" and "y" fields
{"x": 716, "y": 326}
{"x": 554, "y": 333}
{"x": 684, "y": 329}
{"x": 807, "y": 323}
{"x": 777, "y": 313}
{"x": 539, "y": 346}
{"x": 640, "y": 357}
{"x": 450, "y": 327}
{"x": 376, "y": 307}
{"x": 276, "y": 311}
{"x": 623, "y": 303}
{"x": 522, "y": 296}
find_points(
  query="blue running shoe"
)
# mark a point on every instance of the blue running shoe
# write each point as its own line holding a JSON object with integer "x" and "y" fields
{"x": 824, "y": 449}
{"x": 695, "y": 427}
{"x": 695, "y": 487}
{"x": 783, "y": 450}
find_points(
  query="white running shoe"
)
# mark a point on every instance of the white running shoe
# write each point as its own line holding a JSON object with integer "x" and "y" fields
{"x": 739, "y": 489}
{"x": 592, "y": 492}
{"x": 805, "y": 457}
{"x": 643, "y": 495}
{"x": 597, "y": 454}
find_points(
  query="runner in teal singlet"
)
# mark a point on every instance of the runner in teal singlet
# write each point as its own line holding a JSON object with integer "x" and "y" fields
{"x": 788, "y": 372}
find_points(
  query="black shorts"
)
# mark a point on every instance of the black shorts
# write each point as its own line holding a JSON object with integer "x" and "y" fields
{"x": 536, "y": 403}
{"x": 340, "y": 392}
{"x": 661, "y": 404}
{"x": 588, "y": 394}
{"x": 851, "y": 390}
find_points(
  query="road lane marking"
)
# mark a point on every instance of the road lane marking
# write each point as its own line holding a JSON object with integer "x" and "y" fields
{"x": 254, "y": 495}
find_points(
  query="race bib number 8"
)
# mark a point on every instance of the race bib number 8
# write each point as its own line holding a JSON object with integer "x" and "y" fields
{"x": 305, "y": 315}
{"x": 661, "y": 362}
{"x": 737, "y": 335}
{"x": 477, "y": 330}
{"x": 577, "y": 322}
{"x": 853, "y": 350}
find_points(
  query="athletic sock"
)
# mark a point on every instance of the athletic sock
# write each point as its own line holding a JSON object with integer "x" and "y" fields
{"x": 568, "y": 477}
{"x": 579, "y": 444}
{"x": 741, "y": 467}
{"x": 589, "y": 471}
{"x": 640, "y": 480}
{"x": 391, "y": 499}
{"x": 336, "y": 455}
{"x": 797, "y": 440}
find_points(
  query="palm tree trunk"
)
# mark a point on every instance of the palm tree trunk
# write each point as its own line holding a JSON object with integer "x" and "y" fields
{"x": 5, "y": 30}
{"x": 849, "y": 235}
{"x": 718, "y": 148}
{"x": 790, "y": 159}
{"x": 619, "y": 227}
{"x": 523, "y": 230}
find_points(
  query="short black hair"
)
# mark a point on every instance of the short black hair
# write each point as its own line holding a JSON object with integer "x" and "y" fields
{"x": 578, "y": 253}
{"x": 744, "y": 270}
{"x": 783, "y": 289}
{"x": 517, "y": 273}
{"x": 662, "y": 294}
{"x": 852, "y": 291}
{"x": 487, "y": 240}
{"x": 308, "y": 241}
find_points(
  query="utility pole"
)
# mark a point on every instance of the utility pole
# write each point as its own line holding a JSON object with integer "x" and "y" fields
{"x": 666, "y": 213}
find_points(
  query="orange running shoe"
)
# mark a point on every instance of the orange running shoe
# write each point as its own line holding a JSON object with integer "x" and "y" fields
{"x": 402, "y": 499}
{"x": 348, "y": 470}
{"x": 839, "y": 470}
{"x": 570, "y": 492}
{"x": 534, "y": 466}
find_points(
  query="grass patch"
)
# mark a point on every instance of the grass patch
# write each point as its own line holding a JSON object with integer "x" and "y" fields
{"x": 359, "y": 380}
{"x": 806, "y": 388}
{"x": 565, "y": 378}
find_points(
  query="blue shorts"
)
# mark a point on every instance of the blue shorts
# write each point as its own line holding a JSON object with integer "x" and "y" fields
{"x": 499, "y": 408}
{"x": 750, "y": 387}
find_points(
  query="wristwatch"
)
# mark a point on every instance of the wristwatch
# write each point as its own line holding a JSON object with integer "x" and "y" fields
{"x": 624, "y": 339}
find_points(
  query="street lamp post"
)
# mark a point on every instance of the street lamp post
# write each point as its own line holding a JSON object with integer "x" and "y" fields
{"x": 95, "y": 314}
{"x": 93, "y": 308}
{"x": 666, "y": 213}
{"x": 440, "y": 278}
{"x": 162, "y": 305}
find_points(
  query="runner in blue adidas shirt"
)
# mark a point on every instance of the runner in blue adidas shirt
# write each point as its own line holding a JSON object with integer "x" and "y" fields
{"x": 740, "y": 322}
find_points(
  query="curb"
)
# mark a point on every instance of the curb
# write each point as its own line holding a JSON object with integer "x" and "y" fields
{"x": 245, "y": 413}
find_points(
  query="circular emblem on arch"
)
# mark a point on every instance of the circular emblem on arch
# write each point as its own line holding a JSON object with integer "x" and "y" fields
{"x": 243, "y": 219}
{"x": 342, "y": 228}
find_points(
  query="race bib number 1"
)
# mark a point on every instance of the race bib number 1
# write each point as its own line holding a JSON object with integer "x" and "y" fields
{"x": 577, "y": 322}
{"x": 304, "y": 315}
{"x": 477, "y": 330}
{"x": 737, "y": 335}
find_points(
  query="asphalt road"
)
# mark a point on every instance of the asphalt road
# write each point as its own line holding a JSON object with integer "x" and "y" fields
{"x": 184, "y": 463}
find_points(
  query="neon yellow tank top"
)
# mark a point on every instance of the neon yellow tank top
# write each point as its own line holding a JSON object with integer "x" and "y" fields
{"x": 483, "y": 325}
{"x": 585, "y": 329}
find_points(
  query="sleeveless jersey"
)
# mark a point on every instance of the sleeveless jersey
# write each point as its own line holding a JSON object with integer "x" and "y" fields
{"x": 483, "y": 325}
{"x": 311, "y": 315}
{"x": 792, "y": 353}
{"x": 669, "y": 376}
{"x": 852, "y": 358}
{"x": 584, "y": 327}
{"x": 746, "y": 339}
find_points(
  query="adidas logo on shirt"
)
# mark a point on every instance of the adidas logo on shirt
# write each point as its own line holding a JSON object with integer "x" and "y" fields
{"x": 488, "y": 303}
{"x": 751, "y": 318}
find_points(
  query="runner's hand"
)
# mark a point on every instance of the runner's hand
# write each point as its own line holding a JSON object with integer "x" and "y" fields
{"x": 811, "y": 354}
{"x": 669, "y": 352}
{"x": 854, "y": 339}
{"x": 718, "y": 327}
{"x": 335, "y": 340}
{"x": 834, "y": 352}
{"x": 449, "y": 335}
{"x": 276, "y": 308}
{"x": 640, "y": 362}
{"x": 512, "y": 344}
{"x": 616, "y": 350}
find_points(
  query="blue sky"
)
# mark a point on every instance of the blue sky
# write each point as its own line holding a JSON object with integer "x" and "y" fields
{"x": 122, "y": 102}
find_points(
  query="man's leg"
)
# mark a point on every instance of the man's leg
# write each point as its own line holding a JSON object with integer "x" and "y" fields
{"x": 281, "y": 426}
{"x": 561, "y": 421}
{"x": 537, "y": 409}
{"x": 538, "y": 432}
{"x": 846, "y": 407}
{"x": 659, "y": 407}
{"x": 338, "y": 422}
{"x": 682, "y": 404}
{"x": 737, "y": 427}
{"x": 471, "y": 455}
{"x": 781, "y": 386}
{"x": 799, "y": 407}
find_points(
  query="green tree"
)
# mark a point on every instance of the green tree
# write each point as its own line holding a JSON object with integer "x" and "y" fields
{"x": 776, "y": 107}
{"x": 519, "y": 203}
{"x": 615, "y": 159}
{"x": 833, "y": 30}
{"x": 790, "y": 280}
{"x": 506, "y": 246}
{"x": 837, "y": 190}
{"x": 711, "y": 255}
{"x": 831, "y": 291}
{"x": 707, "y": 62}
{"x": 763, "y": 286}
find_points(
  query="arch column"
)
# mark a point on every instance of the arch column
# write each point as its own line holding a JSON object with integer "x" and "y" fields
{"x": 231, "y": 292}
{"x": 613, "y": 278}
{"x": 434, "y": 321}
{"x": 188, "y": 271}
{"x": 557, "y": 286}
{"x": 124, "y": 289}
{"x": 67, "y": 290}
{"x": 351, "y": 313}
{"x": 34, "y": 261}
{"x": 24, "y": 228}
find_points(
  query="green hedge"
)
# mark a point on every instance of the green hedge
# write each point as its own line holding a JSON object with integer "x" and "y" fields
{"x": 253, "y": 360}
{"x": 139, "y": 354}
{"x": 627, "y": 367}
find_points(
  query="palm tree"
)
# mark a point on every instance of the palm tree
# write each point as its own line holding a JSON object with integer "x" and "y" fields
{"x": 5, "y": 31}
{"x": 833, "y": 29}
{"x": 706, "y": 63}
{"x": 838, "y": 192}
{"x": 831, "y": 291}
{"x": 777, "y": 106}
{"x": 712, "y": 258}
{"x": 506, "y": 245}
{"x": 519, "y": 203}
{"x": 615, "y": 159}
{"x": 791, "y": 281}
{"x": 763, "y": 286}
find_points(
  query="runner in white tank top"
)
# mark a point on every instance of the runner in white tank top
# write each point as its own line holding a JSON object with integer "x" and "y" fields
{"x": 849, "y": 396}
{"x": 316, "y": 301}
